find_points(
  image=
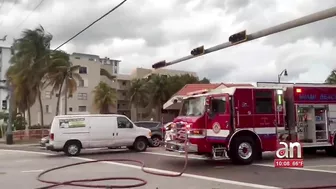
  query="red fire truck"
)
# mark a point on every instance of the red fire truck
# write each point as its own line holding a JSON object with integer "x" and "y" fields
{"x": 241, "y": 123}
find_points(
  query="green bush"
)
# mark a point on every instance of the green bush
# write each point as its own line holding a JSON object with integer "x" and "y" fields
{"x": 19, "y": 123}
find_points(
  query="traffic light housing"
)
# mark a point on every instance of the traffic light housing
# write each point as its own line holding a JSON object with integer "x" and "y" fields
{"x": 4, "y": 104}
{"x": 197, "y": 51}
{"x": 159, "y": 64}
{"x": 238, "y": 37}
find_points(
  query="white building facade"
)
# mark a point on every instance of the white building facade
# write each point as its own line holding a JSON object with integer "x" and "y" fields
{"x": 5, "y": 56}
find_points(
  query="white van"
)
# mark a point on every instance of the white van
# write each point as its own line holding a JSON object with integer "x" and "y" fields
{"x": 71, "y": 133}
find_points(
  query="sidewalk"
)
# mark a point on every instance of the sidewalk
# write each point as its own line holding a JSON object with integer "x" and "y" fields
{"x": 23, "y": 143}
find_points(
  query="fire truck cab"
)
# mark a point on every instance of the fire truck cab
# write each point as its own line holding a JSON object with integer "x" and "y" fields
{"x": 241, "y": 123}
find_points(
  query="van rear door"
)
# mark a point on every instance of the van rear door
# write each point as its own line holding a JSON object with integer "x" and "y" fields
{"x": 102, "y": 131}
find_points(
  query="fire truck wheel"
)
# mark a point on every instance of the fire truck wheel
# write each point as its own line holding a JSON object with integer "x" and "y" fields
{"x": 242, "y": 150}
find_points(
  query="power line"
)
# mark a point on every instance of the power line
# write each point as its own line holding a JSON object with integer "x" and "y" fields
{"x": 9, "y": 10}
{"x": 31, "y": 12}
{"x": 91, "y": 24}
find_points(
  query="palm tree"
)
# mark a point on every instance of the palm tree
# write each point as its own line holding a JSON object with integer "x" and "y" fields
{"x": 137, "y": 93}
{"x": 23, "y": 94}
{"x": 62, "y": 75}
{"x": 331, "y": 78}
{"x": 33, "y": 49}
{"x": 104, "y": 97}
{"x": 158, "y": 88}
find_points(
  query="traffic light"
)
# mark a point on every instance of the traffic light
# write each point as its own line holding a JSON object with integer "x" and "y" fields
{"x": 4, "y": 104}
{"x": 198, "y": 51}
{"x": 238, "y": 37}
{"x": 159, "y": 64}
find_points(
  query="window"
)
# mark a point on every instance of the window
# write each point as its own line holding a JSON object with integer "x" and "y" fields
{"x": 82, "y": 96}
{"x": 91, "y": 59}
{"x": 77, "y": 57}
{"x": 81, "y": 83}
{"x": 70, "y": 109}
{"x": 147, "y": 124}
{"x": 48, "y": 94}
{"x": 118, "y": 106}
{"x": 218, "y": 105}
{"x": 124, "y": 83}
{"x": 116, "y": 64}
{"x": 264, "y": 102}
{"x": 115, "y": 70}
{"x": 82, "y": 70}
{"x": 47, "y": 108}
{"x": 124, "y": 94}
{"x": 82, "y": 108}
{"x": 124, "y": 123}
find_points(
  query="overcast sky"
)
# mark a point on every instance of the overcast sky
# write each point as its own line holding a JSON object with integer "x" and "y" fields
{"x": 143, "y": 32}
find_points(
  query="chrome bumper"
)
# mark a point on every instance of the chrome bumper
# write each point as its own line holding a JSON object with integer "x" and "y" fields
{"x": 180, "y": 147}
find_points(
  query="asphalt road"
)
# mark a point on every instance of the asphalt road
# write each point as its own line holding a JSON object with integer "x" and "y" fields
{"x": 18, "y": 170}
{"x": 319, "y": 169}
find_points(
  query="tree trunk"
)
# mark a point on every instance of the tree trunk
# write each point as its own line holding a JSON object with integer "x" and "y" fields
{"x": 137, "y": 112}
{"x": 41, "y": 111}
{"x": 159, "y": 112}
{"x": 66, "y": 97}
{"x": 41, "y": 107}
{"x": 59, "y": 99}
{"x": 29, "y": 116}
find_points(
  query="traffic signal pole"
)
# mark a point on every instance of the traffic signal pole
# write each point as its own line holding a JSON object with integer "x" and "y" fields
{"x": 328, "y": 13}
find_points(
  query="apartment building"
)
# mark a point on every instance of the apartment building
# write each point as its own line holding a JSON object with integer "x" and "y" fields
{"x": 5, "y": 56}
{"x": 81, "y": 101}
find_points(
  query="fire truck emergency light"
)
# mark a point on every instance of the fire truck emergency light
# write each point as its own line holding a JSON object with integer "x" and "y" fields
{"x": 238, "y": 37}
{"x": 298, "y": 90}
{"x": 159, "y": 64}
{"x": 197, "y": 51}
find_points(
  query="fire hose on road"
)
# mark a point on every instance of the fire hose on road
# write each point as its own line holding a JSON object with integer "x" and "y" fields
{"x": 141, "y": 182}
{"x": 81, "y": 182}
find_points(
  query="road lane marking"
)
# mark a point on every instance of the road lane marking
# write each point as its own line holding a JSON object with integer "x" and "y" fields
{"x": 300, "y": 169}
{"x": 224, "y": 181}
{"x": 32, "y": 171}
{"x": 312, "y": 166}
{"x": 187, "y": 175}
{"x": 29, "y": 152}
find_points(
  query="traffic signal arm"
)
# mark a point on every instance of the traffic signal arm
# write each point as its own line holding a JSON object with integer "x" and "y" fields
{"x": 159, "y": 64}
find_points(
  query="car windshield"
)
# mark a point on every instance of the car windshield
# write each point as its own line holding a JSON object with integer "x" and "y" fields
{"x": 193, "y": 107}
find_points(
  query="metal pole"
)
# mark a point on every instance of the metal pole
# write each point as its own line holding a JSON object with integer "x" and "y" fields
{"x": 9, "y": 133}
{"x": 328, "y": 13}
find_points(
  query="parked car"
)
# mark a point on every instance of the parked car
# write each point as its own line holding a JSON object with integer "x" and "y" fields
{"x": 44, "y": 141}
{"x": 71, "y": 133}
{"x": 157, "y": 130}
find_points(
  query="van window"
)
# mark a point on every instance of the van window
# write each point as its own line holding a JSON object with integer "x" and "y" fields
{"x": 124, "y": 123}
{"x": 264, "y": 102}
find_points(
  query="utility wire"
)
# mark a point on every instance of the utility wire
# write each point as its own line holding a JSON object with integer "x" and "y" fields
{"x": 31, "y": 12}
{"x": 9, "y": 10}
{"x": 91, "y": 24}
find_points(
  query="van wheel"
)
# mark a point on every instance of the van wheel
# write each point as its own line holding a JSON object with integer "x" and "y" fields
{"x": 242, "y": 150}
{"x": 140, "y": 145}
{"x": 72, "y": 148}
